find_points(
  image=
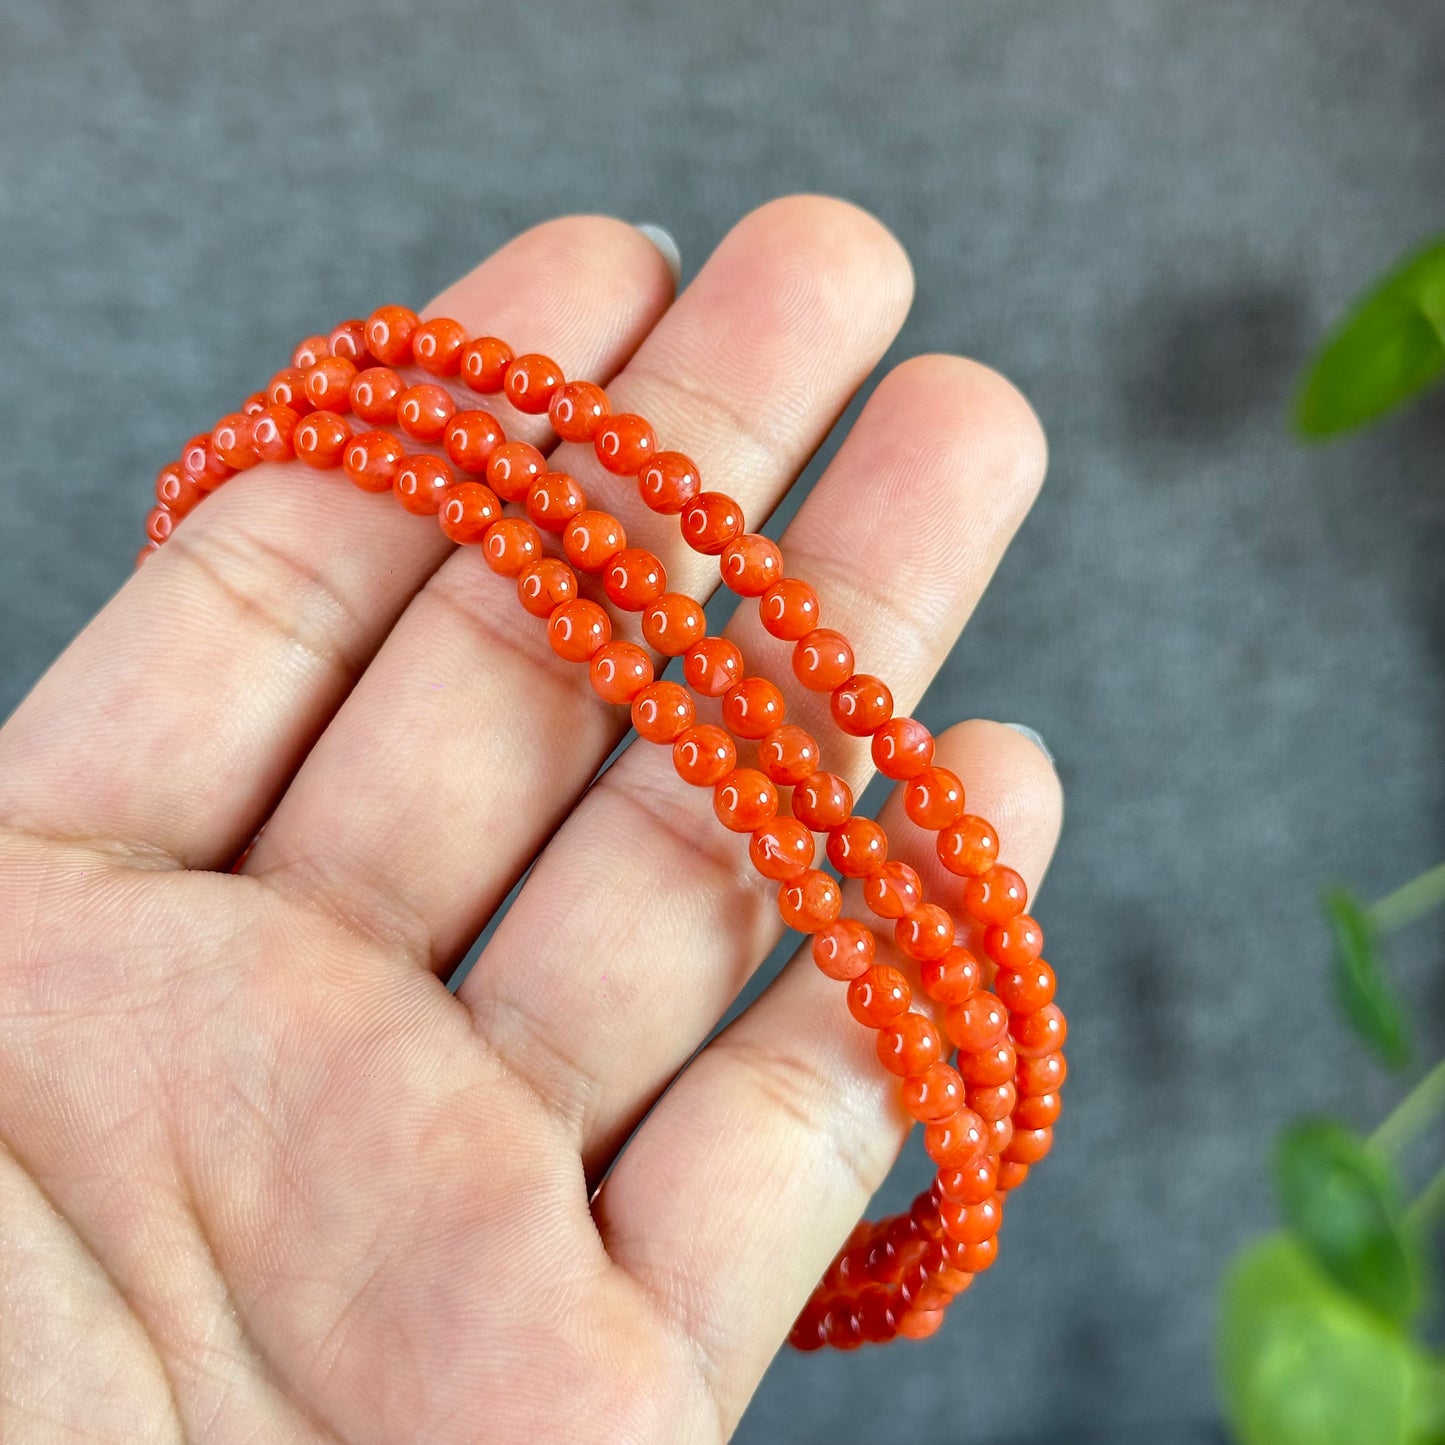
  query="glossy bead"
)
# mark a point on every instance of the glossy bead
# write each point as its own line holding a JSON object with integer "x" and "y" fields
{"x": 822, "y": 800}
{"x": 857, "y": 847}
{"x": 810, "y": 901}
{"x": 992, "y": 1101}
{"x": 877, "y": 1322}
{"x": 663, "y": 711}
{"x": 437, "y": 345}
{"x": 1042, "y": 1075}
{"x": 273, "y": 433}
{"x": 902, "y": 748}
{"x": 554, "y": 499}
{"x": 1011, "y": 1174}
{"x": 1016, "y": 943}
{"x": 1041, "y": 1032}
{"x": 977, "y": 1023}
{"x": 578, "y": 629}
{"x": 744, "y": 800}
{"x": 789, "y": 754}
{"x": 389, "y": 330}
{"x": 257, "y": 401}
{"x": 822, "y": 659}
{"x": 531, "y": 381}
{"x": 673, "y": 623}
{"x": 668, "y": 482}
{"x": 544, "y": 585}
{"x": 1038, "y": 1111}
{"x": 592, "y": 539}
{"x": 200, "y": 462}
{"x": 513, "y": 469}
{"x": 619, "y": 671}
{"x": 711, "y": 666}
{"x": 288, "y": 388}
{"x": 918, "y": 1324}
{"x": 484, "y": 364}
{"x": 375, "y": 393}
{"x": 971, "y": 1184}
{"x": 423, "y": 411}
{"x": 470, "y": 438}
{"x": 810, "y": 1329}
{"x": 750, "y": 564}
{"x": 752, "y": 708}
{"x": 231, "y": 437}
{"x": 968, "y": 847}
{"x": 1022, "y": 990}
{"x": 159, "y": 523}
{"x": 995, "y": 896}
{"x": 953, "y": 978}
{"x": 934, "y": 798}
{"x": 710, "y": 521}
{"x": 467, "y": 511}
{"x": 372, "y": 460}
{"x": 577, "y": 409}
{"x": 878, "y": 996}
{"x": 976, "y": 1258}
{"x": 510, "y": 545}
{"x": 310, "y": 351}
{"x": 933, "y": 1094}
{"x": 624, "y": 444}
{"x": 704, "y": 754}
{"x": 925, "y": 932}
{"x": 174, "y": 489}
{"x": 972, "y": 1223}
{"x": 895, "y": 889}
{"x": 328, "y": 383}
{"x": 320, "y": 439}
{"x": 993, "y": 1065}
{"x": 861, "y": 705}
{"x": 909, "y": 1045}
{"x": 348, "y": 340}
{"x": 954, "y": 1143}
{"x": 844, "y": 950}
{"x": 1028, "y": 1146}
{"x": 789, "y": 609}
{"x": 420, "y": 482}
{"x": 634, "y": 578}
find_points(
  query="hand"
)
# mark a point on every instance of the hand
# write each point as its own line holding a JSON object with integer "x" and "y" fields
{"x": 263, "y": 1177}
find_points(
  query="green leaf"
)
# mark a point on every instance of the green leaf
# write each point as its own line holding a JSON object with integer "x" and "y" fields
{"x": 1302, "y": 1363}
{"x": 1391, "y": 346}
{"x": 1345, "y": 1206}
{"x": 1364, "y": 992}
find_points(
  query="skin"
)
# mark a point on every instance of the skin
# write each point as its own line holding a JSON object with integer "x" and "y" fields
{"x": 262, "y": 1178}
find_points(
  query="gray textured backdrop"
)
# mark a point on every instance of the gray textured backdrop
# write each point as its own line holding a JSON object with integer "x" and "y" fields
{"x": 1144, "y": 213}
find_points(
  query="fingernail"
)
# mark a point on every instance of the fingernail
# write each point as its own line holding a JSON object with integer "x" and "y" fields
{"x": 1034, "y": 738}
{"x": 663, "y": 241}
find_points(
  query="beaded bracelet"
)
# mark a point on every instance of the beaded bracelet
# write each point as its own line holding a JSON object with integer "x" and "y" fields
{"x": 987, "y": 1117}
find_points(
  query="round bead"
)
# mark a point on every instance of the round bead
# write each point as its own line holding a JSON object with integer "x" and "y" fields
{"x": 895, "y": 889}
{"x": 320, "y": 439}
{"x": 257, "y": 401}
{"x": 909, "y": 1045}
{"x": 159, "y": 523}
{"x": 544, "y": 585}
{"x": 273, "y": 433}
{"x": 993, "y": 1065}
{"x": 822, "y": 659}
{"x": 467, "y": 511}
{"x": 1043, "y": 1075}
{"x": 288, "y": 388}
{"x": 668, "y": 482}
{"x": 372, "y": 460}
{"x": 232, "y": 439}
{"x": 857, "y": 847}
{"x": 531, "y": 381}
{"x": 592, "y": 539}
{"x": 389, "y": 330}
{"x": 976, "y": 1258}
{"x": 663, "y": 711}
{"x": 578, "y": 629}
{"x": 200, "y": 462}
{"x": 934, "y": 798}
{"x": 484, "y": 364}
{"x": 902, "y": 748}
{"x": 1011, "y": 1174}
{"x": 176, "y": 490}
{"x": 577, "y": 409}
{"x": 968, "y": 847}
{"x": 918, "y": 1324}
{"x": 624, "y": 444}
{"x": 423, "y": 411}
{"x": 1038, "y": 1111}
{"x": 710, "y": 521}
{"x": 996, "y": 896}
{"x": 513, "y": 469}
{"x": 810, "y": 901}
{"x": 619, "y": 671}
{"x": 752, "y": 708}
{"x": 933, "y": 1094}
{"x": 711, "y": 666}
{"x": 956, "y": 1142}
{"x": 470, "y": 439}
{"x": 349, "y": 340}
{"x": 925, "y": 932}
{"x": 375, "y": 393}
{"x": 971, "y": 1223}
{"x": 510, "y": 545}
{"x": 673, "y": 623}
{"x": 1015, "y": 943}
{"x": 554, "y": 499}
{"x": 822, "y": 800}
{"x": 634, "y": 578}
{"x": 788, "y": 754}
{"x": 437, "y": 345}
{"x": 844, "y": 949}
{"x": 992, "y": 1101}
{"x": 861, "y": 705}
{"x": 1022, "y": 990}
{"x": 744, "y": 800}
{"x": 419, "y": 483}
{"x": 750, "y": 564}
{"x": 704, "y": 754}
{"x": 810, "y": 1329}
{"x": 972, "y": 1183}
{"x": 1028, "y": 1146}
{"x": 1038, "y": 1033}
{"x": 310, "y": 351}
{"x": 781, "y": 849}
{"x": 977, "y": 1023}
{"x": 328, "y": 383}
{"x": 953, "y": 978}
{"x": 789, "y": 609}
{"x": 878, "y": 996}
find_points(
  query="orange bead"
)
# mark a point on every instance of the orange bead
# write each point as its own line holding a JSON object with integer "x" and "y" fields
{"x": 531, "y": 381}
{"x": 750, "y": 564}
{"x": 436, "y": 346}
{"x": 861, "y": 705}
{"x": 878, "y": 996}
{"x": 1044, "y": 1075}
{"x": 844, "y": 949}
{"x": 619, "y": 671}
{"x": 968, "y": 847}
{"x": 288, "y": 388}
{"x": 857, "y": 847}
{"x": 971, "y": 1223}
{"x": 1038, "y": 1111}
{"x": 918, "y": 1324}
{"x": 257, "y": 401}
{"x": 349, "y": 340}
{"x": 933, "y": 1094}
{"x": 232, "y": 439}
{"x": 979, "y": 1022}
{"x": 554, "y": 499}
{"x": 470, "y": 439}
{"x": 320, "y": 439}
{"x": 310, "y": 351}
{"x": 996, "y": 896}
{"x": 810, "y": 1329}
{"x": 1016, "y": 943}
{"x": 513, "y": 469}
{"x": 953, "y": 978}
{"x": 710, "y": 521}
{"x": 1041, "y": 1032}
{"x": 934, "y": 799}
{"x": 971, "y": 1184}
{"x": 673, "y": 623}
{"x": 419, "y": 483}
{"x": 328, "y": 383}
{"x": 578, "y": 629}
{"x": 976, "y": 1258}
{"x": 992, "y": 1101}
{"x": 372, "y": 460}
{"x": 752, "y": 708}
{"x": 744, "y": 800}
{"x": 781, "y": 849}
{"x": 822, "y": 659}
{"x": 510, "y": 545}
{"x": 1011, "y": 1174}
{"x": 273, "y": 433}
{"x": 634, "y": 578}
{"x": 924, "y": 933}
{"x": 993, "y": 1065}
{"x": 895, "y": 889}
{"x": 159, "y": 523}
{"x": 902, "y": 748}
{"x": 200, "y": 462}
{"x": 1022, "y": 990}
{"x": 954, "y": 1143}
{"x": 703, "y": 754}
{"x": 592, "y": 539}
{"x": 375, "y": 393}
{"x": 909, "y": 1045}
{"x": 663, "y": 711}
{"x": 484, "y": 364}
{"x": 577, "y": 410}
{"x": 789, "y": 609}
{"x": 711, "y": 666}
{"x": 174, "y": 489}
{"x": 423, "y": 411}
{"x": 544, "y": 585}
{"x": 389, "y": 330}
{"x": 624, "y": 444}
{"x": 668, "y": 482}
{"x": 810, "y": 901}
{"x": 468, "y": 511}
{"x": 1028, "y": 1146}
{"x": 789, "y": 754}
{"x": 823, "y": 800}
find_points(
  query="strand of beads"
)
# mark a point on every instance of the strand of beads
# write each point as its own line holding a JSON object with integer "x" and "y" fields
{"x": 985, "y": 1122}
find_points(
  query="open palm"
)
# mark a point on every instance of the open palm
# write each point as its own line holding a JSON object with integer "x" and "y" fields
{"x": 263, "y": 1177}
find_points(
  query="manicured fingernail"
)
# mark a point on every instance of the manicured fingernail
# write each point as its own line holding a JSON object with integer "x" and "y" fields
{"x": 663, "y": 241}
{"x": 1034, "y": 738}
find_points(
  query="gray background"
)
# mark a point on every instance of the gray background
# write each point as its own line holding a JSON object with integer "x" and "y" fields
{"x": 1143, "y": 212}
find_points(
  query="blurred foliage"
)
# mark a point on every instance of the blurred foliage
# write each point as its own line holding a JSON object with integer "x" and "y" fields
{"x": 1360, "y": 982}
